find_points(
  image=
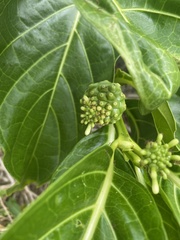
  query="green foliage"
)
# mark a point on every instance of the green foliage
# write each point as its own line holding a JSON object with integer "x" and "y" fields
{"x": 154, "y": 71}
{"x": 47, "y": 60}
{"x": 50, "y": 52}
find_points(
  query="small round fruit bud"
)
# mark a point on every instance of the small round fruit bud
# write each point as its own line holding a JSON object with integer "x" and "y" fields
{"x": 103, "y": 103}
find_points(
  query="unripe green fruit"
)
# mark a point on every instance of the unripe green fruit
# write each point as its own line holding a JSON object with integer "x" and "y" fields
{"x": 103, "y": 103}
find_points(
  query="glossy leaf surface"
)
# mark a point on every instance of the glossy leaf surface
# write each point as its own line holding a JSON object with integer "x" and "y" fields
{"x": 170, "y": 223}
{"x": 165, "y": 122}
{"x": 48, "y": 56}
{"x": 154, "y": 71}
{"x": 158, "y": 20}
{"x": 174, "y": 103}
{"x": 171, "y": 195}
{"x": 89, "y": 200}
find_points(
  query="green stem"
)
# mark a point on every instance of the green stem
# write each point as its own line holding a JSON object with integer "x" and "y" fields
{"x": 125, "y": 142}
{"x": 135, "y": 159}
{"x": 121, "y": 128}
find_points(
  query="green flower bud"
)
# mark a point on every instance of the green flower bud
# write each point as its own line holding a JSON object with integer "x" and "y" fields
{"x": 157, "y": 157}
{"x": 107, "y": 101}
{"x": 154, "y": 177}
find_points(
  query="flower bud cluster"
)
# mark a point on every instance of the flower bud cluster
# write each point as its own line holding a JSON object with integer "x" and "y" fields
{"x": 103, "y": 103}
{"x": 158, "y": 159}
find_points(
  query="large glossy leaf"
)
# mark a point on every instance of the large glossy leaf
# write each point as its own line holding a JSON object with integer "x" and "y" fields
{"x": 170, "y": 223}
{"x": 154, "y": 71}
{"x": 48, "y": 56}
{"x": 174, "y": 103}
{"x": 86, "y": 146}
{"x": 89, "y": 200}
{"x": 165, "y": 122}
{"x": 171, "y": 195}
{"x": 159, "y": 20}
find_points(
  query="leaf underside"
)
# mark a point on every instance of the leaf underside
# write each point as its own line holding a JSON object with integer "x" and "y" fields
{"x": 152, "y": 66}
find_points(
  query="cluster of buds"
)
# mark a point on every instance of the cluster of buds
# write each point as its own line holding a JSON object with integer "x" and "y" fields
{"x": 158, "y": 158}
{"x": 103, "y": 103}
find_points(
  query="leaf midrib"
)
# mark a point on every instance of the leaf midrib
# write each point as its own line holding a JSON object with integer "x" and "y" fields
{"x": 34, "y": 26}
{"x": 100, "y": 203}
{"x": 150, "y": 11}
{"x": 56, "y": 82}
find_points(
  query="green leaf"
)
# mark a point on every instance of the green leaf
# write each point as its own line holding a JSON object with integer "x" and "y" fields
{"x": 68, "y": 203}
{"x": 125, "y": 166}
{"x": 85, "y": 147}
{"x": 89, "y": 200}
{"x": 174, "y": 104}
{"x": 48, "y": 56}
{"x": 171, "y": 195}
{"x": 13, "y": 207}
{"x": 154, "y": 72}
{"x": 142, "y": 126}
{"x": 170, "y": 223}
{"x": 158, "y": 20}
{"x": 164, "y": 122}
{"x": 139, "y": 199}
